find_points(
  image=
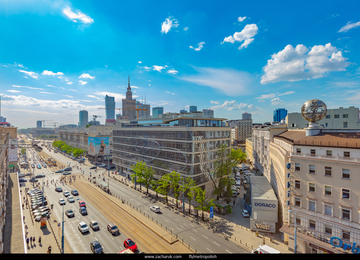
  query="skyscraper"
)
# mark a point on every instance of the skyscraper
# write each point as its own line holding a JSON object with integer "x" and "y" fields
{"x": 246, "y": 116}
{"x": 193, "y": 109}
{"x": 39, "y": 124}
{"x": 110, "y": 107}
{"x": 280, "y": 114}
{"x": 157, "y": 111}
{"x": 144, "y": 113}
{"x": 129, "y": 104}
{"x": 83, "y": 118}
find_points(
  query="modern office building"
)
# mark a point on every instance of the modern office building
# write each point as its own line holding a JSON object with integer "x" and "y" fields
{"x": 186, "y": 145}
{"x": 83, "y": 118}
{"x": 339, "y": 118}
{"x": 157, "y": 111}
{"x": 208, "y": 113}
{"x": 193, "y": 109}
{"x": 39, "y": 124}
{"x": 110, "y": 107}
{"x": 246, "y": 116}
{"x": 129, "y": 104}
{"x": 144, "y": 113}
{"x": 2, "y": 119}
{"x": 280, "y": 114}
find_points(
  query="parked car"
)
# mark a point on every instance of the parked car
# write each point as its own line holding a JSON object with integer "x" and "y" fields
{"x": 83, "y": 227}
{"x": 128, "y": 243}
{"x": 245, "y": 213}
{"x": 113, "y": 229}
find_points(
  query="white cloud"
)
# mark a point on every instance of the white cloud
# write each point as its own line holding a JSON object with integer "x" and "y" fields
{"x": 86, "y": 76}
{"x": 276, "y": 101}
{"x": 81, "y": 82}
{"x": 245, "y": 36}
{"x": 118, "y": 97}
{"x": 13, "y": 91}
{"x": 79, "y": 16}
{"x": 159, "y": 68}
{"x": 16, "y": 86}
{"x": 172, "y": 71}
{"x": 229, "y": 81}
{"x": 69, "y": 83}
{"x": 168, "y": 92}
{"x": 50, "y": 73}
{"x": 200, "y": 44}
{"x": 349, "y": 26}
{"x": 240, "y": 19}
{"x": 186, "y": 28}
{"x": 230, "y": 105}
{"x": 168, "y": 24}
{"x": 293, "y": 64}
{"x": 43, "y": 92}
{"x": 215, "y": 102}
{"x": 139, "y": 61}
{"x": 30, "y": 73}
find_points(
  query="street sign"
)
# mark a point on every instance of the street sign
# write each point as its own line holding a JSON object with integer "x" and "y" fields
{"x": 211, "y": 212}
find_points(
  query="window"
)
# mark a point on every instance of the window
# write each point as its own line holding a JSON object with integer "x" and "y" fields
{"x": 345, "y": 124}
{"x": 328, "y": 153}
{"x": 312, "y": 152}
{"x": 311, "y": 205}
{"x": 298, "y": 221}
{"x": 297, "y": 184}
{"x": 345, "y": 115}
{"x": 345, "y": 214}
{"x": 328, "y": 116}
{"x": 311, "y": 169}
{"x": 328, "y": 190}
{"x": 336, "y": 116}
{"x": 311, "y": 187}
{"x": 297, "y": 167}
{"x": 345, "y": 173}
{"x": 327, "y": 171}
{"x": 312, "y": 224}
{"x": 298, "y": 150}
{"x": 346, "y": 154}
{"x": 328, "y": 230}
{"x": 345, "y": 194}
{"x": 346, "y": 235}
{"x": 297, "y": 201}
{"x": 328, "y": 209}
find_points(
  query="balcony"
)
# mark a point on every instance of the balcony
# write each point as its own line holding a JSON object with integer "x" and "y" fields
{"x": 326, "y": 157}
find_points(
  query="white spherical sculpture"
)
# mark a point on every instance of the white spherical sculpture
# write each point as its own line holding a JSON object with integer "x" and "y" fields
{"x": 313, "y": 110}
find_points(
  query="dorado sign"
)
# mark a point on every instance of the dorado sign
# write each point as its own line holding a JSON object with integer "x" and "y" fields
{"x": 339, "y": 243}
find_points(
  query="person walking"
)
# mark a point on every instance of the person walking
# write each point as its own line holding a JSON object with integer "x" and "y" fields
{"x": 27, "y": 241}
{"x": 39, "y": 240}
{"x": 49, "y": 250}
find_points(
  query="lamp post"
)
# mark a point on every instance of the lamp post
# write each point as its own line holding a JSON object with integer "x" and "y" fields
{"x": 184, "y": 196}
{"x": 62, "y": 233}
{"x": 295, "y": 233}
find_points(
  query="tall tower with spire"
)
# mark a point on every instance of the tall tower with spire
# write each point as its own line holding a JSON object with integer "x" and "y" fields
{"x": 129, "y": 104}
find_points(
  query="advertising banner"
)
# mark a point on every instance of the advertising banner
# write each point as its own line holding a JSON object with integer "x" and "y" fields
{"x": 13, "y": 143}
{"x": 98, "y": 145}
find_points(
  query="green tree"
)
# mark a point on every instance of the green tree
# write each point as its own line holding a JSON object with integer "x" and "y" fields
{"x": 163, "y": 186}
{"x": 189, "y": 189}
{"x": 238, "y": 156}
{"x": 174, "y": 179}
{"x": 204, "y": 203}
{"x": 144, "y": 174}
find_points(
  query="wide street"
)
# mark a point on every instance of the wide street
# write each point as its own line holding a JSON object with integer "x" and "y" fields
{"x": 201, "y": 239}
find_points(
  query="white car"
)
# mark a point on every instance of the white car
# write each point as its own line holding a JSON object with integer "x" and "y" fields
{"x": 155, "y": 208}
{"x": 83, "y": 227}
{"x": 245, "y": 213}
{"x": 66, "y": 193}
{"x": 62, "y": 201}
{"x": 71, "y": 199}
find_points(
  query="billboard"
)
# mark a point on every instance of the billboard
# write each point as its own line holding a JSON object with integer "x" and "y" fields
{"x": 98, "y": 145}
{"x": 13, "y": 143}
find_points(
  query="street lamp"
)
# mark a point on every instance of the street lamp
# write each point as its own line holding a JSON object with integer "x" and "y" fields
{"x": 295, "y": 233}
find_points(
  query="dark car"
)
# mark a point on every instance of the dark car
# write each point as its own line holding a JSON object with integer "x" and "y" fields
{"x": 113, "y": 229}
{"x": 22, "y": 180}
{"x": 93, "y": 167}
{"x": 33, "y": 179}
{"x": 68, "y": 169}
{"x": 96, "y": 248}
{"x": 70, "y": 213}
{"x": 83, "y": 211}
{"x": 58, "y": 189}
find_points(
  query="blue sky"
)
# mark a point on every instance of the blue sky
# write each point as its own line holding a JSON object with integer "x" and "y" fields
{"x": 59, "y": 57}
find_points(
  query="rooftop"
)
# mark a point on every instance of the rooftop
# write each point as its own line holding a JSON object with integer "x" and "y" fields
{"x": 345, "y": 139}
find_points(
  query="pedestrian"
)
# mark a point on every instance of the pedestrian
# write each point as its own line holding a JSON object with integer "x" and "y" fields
{"x": 49, "y": 250}
{"x": 27, "y": 241}
{"x": 40, "y": 240}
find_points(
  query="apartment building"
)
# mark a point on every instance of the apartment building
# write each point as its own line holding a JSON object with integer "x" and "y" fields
{"x": 317, "y": 178}
{"x": 186, "y": 145}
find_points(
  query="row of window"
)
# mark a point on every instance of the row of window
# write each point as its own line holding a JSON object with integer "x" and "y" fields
{"x": 345, "y": 173}
{"x": 328, "y": 152}
{"x": 345, "y": 193}
{"x": 337, "y": 116}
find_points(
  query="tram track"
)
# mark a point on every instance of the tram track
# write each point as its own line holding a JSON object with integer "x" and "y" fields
{"x": 147, "y": 240}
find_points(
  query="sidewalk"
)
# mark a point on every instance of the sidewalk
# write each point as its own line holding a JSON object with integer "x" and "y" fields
{"x": 227, "y": 226}
{"x": 15, "y": 233}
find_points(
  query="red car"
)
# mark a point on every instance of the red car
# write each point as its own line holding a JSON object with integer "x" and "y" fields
{"x": 82, "y": 203}
{"x": 128, "y": 243}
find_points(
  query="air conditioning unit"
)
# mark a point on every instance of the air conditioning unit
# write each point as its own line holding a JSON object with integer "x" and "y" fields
{"x": 313, "y": 235}
{"x": 299, "y": 230}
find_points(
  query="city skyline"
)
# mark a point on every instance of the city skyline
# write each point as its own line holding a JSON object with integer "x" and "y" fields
{"x": 60, "y": 57}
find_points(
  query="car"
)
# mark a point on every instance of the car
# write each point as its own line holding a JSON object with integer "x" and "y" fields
{"x": 245, "y": 213}
{"x": 40, "y": 176}
{"x": 83, "y": 211}
{"x": 102, "y": 165}
{"x": 94, "y": 225}
{"x": 96, "y": 248}
{"x": 59, "y": 171}
{"x": 66, "y": 193}
{"x": 58, "y": 189}
{"x": 68, "y": 169}
{"x": 155, "y": 208}
{"x": 33, "y": 179}
{"x": 82, "y": 203}
{"x": 128, "y": 243}
{"x": 66, "y": 173}
{"x": 113, "y": 229}
{"x": 32, "y": 165}
{"x": 70, "y": 213}
{"x": 71, "y": 199}
{"x": 22, "y": 180}
{"x": 93, "y": 167}
{"x": 83, "y": 227}
{"x": 237, "y": 183}
{"x": 62, "y": 201}
{"x": 74, "y": 192}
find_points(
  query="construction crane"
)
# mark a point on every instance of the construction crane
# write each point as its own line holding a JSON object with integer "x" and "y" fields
{"x": 43, "y": 122}
{"x": 137, "y": 109}
{"x": 94, "y": 117}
